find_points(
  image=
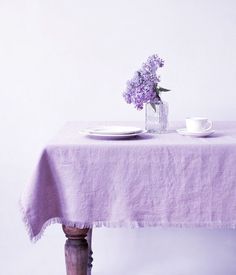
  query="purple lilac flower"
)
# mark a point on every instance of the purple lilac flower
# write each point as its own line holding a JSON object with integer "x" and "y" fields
{"x": 142, "y": 87}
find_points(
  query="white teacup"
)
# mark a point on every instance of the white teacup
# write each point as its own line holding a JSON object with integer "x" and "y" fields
{"x": 198, "y": 124}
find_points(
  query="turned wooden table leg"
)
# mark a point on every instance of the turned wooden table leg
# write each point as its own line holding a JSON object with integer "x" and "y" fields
{"x": 90, "y": 252}
{"x": 76, "y": 250}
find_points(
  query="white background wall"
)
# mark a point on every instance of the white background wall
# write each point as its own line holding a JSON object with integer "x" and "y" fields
{"x": 70, "y": 60}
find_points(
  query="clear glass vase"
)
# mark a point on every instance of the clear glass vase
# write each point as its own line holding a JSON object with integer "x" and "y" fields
{"x": 156, "y": 117}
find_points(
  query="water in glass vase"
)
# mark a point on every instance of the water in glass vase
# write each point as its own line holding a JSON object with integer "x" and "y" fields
{"x": 156, "y": 117}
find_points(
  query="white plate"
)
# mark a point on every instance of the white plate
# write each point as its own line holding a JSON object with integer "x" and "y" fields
{"x": 184, "y": 132}
{"x": 114, "y": 130}
{"x": 87, "y": 133}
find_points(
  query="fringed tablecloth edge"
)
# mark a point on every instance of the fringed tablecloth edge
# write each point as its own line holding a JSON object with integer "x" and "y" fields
{"x": 116, "y": 224}
{"x": 26, "y": 221}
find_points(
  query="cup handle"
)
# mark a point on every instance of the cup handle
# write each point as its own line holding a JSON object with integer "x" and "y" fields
{"x": 210, "y": 125}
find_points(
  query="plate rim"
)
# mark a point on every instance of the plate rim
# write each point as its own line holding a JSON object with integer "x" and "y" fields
{"x": 84, "y": 132}
{"x": 92, "y": 130}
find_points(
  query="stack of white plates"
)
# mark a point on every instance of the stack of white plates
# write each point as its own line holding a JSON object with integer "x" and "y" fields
{"x": 114, "y": 131}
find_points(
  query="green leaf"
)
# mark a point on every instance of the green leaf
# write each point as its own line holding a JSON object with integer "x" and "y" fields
{"x": 153, "y": 106}
{"x": 160, "y": 89}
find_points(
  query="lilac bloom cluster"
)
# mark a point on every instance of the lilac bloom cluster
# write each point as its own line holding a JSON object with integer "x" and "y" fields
{"x": 142, "y": 87}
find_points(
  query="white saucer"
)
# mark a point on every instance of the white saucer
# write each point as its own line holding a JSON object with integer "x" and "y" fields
{"x": 184, "y": 132}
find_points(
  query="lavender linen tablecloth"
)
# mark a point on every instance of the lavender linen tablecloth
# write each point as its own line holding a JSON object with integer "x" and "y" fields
{"x": 162, "y": 180}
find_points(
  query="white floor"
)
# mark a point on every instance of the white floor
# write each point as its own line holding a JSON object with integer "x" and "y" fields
{"x": 124, "y": 252}
{"x": 165, "y": 252}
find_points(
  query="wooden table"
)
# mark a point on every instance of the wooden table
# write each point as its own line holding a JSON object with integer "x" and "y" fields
{"x": 78, "y": 250}
{"x": 165, "y": 180}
